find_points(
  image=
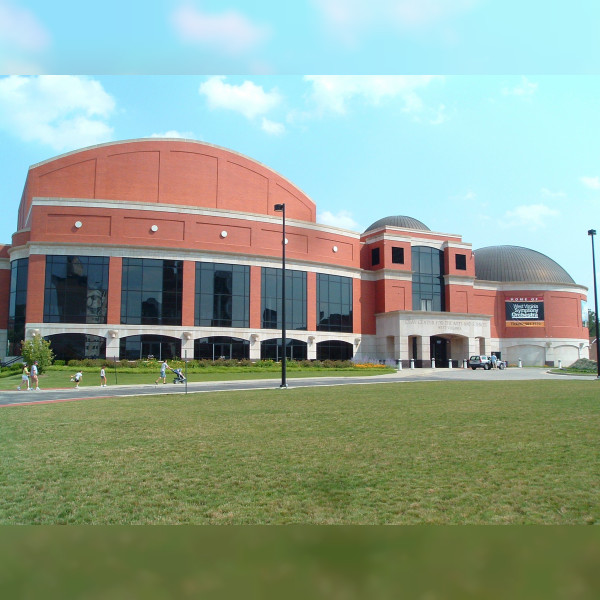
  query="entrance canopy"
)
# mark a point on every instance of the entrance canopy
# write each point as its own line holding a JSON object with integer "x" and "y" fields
{"x": 423, "y": 335}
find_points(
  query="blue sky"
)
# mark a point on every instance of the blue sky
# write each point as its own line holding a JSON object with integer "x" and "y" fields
{"x": 501, "y": 146}
{"x": 305, "y": 36}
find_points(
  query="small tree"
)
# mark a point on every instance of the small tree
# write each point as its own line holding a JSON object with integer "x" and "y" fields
{"x": 592, "y": 323}
{"x": 37, "y": 348}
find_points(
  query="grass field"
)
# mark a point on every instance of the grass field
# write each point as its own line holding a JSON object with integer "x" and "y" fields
{"x": 440, "y": 453}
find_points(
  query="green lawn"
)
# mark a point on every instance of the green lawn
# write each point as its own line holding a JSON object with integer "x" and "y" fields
{"x": 442, "y": 453}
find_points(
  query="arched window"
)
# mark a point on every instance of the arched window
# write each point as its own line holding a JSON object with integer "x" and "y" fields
{"x": 294, "y": 349}
{"x": 76, "y": 346}
{"x": 221, "y": 347}
{"x": 160, "y": 347}
{"x": 334, "y": 350}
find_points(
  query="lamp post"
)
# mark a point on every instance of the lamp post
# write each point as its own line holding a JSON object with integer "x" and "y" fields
{"x": 281, "y": 208}
{"x": 592, "y": 233}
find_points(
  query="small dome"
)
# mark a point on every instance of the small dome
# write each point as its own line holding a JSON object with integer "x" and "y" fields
{"x": 514, "y": 263}
{"x": 399, "y": 221}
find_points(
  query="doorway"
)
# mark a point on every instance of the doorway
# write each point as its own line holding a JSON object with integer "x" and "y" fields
{"x": 439, "y": 350}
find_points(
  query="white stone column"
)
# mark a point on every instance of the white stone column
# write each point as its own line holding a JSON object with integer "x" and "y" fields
{"x": 403, "y": 348}
{"x": 254, "y": 346}
{"x": 187, "y": 345}
{"x": 112, "y": 344}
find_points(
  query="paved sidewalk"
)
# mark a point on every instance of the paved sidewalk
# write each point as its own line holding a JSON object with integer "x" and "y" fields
{"x": 15, "y": 398}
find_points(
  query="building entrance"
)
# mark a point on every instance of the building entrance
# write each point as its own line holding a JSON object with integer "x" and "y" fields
{"x": 439, "y": 350}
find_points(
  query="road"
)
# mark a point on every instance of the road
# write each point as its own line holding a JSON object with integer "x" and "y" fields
{"x": 15, "y": 398}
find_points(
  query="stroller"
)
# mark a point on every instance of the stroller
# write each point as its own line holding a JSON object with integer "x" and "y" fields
{"x": 179, "y": 377}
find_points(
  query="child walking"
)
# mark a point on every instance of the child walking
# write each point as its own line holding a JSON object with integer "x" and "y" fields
{"x": 102, "y": 377}
{"x": 24, "y": 378}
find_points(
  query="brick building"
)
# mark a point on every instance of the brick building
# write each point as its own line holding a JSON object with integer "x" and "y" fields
{"x": 173, "y": 248}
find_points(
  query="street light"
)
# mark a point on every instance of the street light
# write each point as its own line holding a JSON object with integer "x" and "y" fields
{"x": 281, "y": 208}
{"x": 592, "y": 233}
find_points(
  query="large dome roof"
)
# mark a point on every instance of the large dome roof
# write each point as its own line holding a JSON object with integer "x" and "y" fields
{"x": 399, "y": 221}
{"x": 514, "y": 263}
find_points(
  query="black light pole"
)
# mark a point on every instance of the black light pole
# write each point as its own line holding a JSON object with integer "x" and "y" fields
{"x": 592, "y": 233}
{"x": 281, "y": 208}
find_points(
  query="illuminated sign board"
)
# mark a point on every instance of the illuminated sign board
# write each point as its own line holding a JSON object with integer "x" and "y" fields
{"x": 525, "y": 312}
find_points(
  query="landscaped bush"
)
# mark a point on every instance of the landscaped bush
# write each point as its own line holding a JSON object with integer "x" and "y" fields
{"x": 585, "y": 365}
{"x": 59, "y": 363}
{"x": 264, "y": 364}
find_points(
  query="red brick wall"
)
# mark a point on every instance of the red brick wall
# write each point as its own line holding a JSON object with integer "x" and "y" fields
{"x": 167, "y": 172}
{"x": 189, "y": 294}
{"x": 36, "y": 278}
{"x": 115, "y": 271}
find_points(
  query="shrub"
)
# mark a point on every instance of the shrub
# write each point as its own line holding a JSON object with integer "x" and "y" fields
{"x": 37, "y": 348}
{"x": 264, "y": 364}
{"x": 59, "y": 363}
{"x": 585, "y": 364}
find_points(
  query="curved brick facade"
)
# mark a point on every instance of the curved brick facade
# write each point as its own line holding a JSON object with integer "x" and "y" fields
{"x": 193, "y": 202}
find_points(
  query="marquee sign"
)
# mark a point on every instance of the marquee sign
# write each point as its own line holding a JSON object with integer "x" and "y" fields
{"x": 525, "y": 312}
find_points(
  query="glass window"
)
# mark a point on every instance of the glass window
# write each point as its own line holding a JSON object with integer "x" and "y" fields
{"x": 294, "y": 350}
{"x": 76, "y": 289}
{"x": 461, "y": 262}
{"x": 295, "y": 293}
{"x": 221, "y": 348}
{"x": 334, "y": 303}
{"x": 222, "y": 295}
{"x": 397, "y": 255}
{"x": 151, "y": 291}
{"x": 159, "y": 347}
{"x": 334, "y": 350}
{"x": 428, "y": 279}
{"x": 76, "y": 346}
{"x": 375, "y": 257}
{"x": 17, "y": 304}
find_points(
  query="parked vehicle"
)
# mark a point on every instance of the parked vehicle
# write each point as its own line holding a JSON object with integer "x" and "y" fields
{"x": 480, "y": 361}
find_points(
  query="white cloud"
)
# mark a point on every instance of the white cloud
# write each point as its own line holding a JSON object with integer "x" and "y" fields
{"x": 248, "y": 99}
{"x": 347, "y": 19}
{"x": 525, "y": 89}
{"x": 60, "y": 111}
{"x": 272, "y": 127}
{"x": 229, "y": 32}
{"x": 591, "y": 182}
{"x": 20, "y": 27}
{"x": 332, "y": 93}
{"x": 546, "y": 193}
{"x": 342, "y": 218}
{"x": 532, "y": 216}
{"x": 172, "y": 133}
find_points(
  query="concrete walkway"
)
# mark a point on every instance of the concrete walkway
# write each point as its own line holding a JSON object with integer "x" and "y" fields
{"x": 15, "y": 398}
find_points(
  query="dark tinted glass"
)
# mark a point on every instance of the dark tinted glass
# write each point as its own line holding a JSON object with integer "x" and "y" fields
{"x": 271, "y": 296}
{"x": 428, "y": 279}
{"x": 398, "y": 255}
{"x": 151, "y": 291}
{"x": 17, "y": 305}
{"x": 76, "y": 289}
{"x": 334, "y": 303}
{"x": 222, "y": 295}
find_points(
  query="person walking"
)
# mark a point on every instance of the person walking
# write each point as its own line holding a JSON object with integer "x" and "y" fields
{"x": 24, "y": 378}
{"x": 77, "y": 378}
{"x": 34, "y": 376}
{"x": 102, "y": 377}
{"x": 163, "y": 372}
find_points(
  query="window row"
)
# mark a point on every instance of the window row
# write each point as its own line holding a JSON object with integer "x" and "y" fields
{"x": 76, "y": 291}
{"x": 69, "y": 346}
